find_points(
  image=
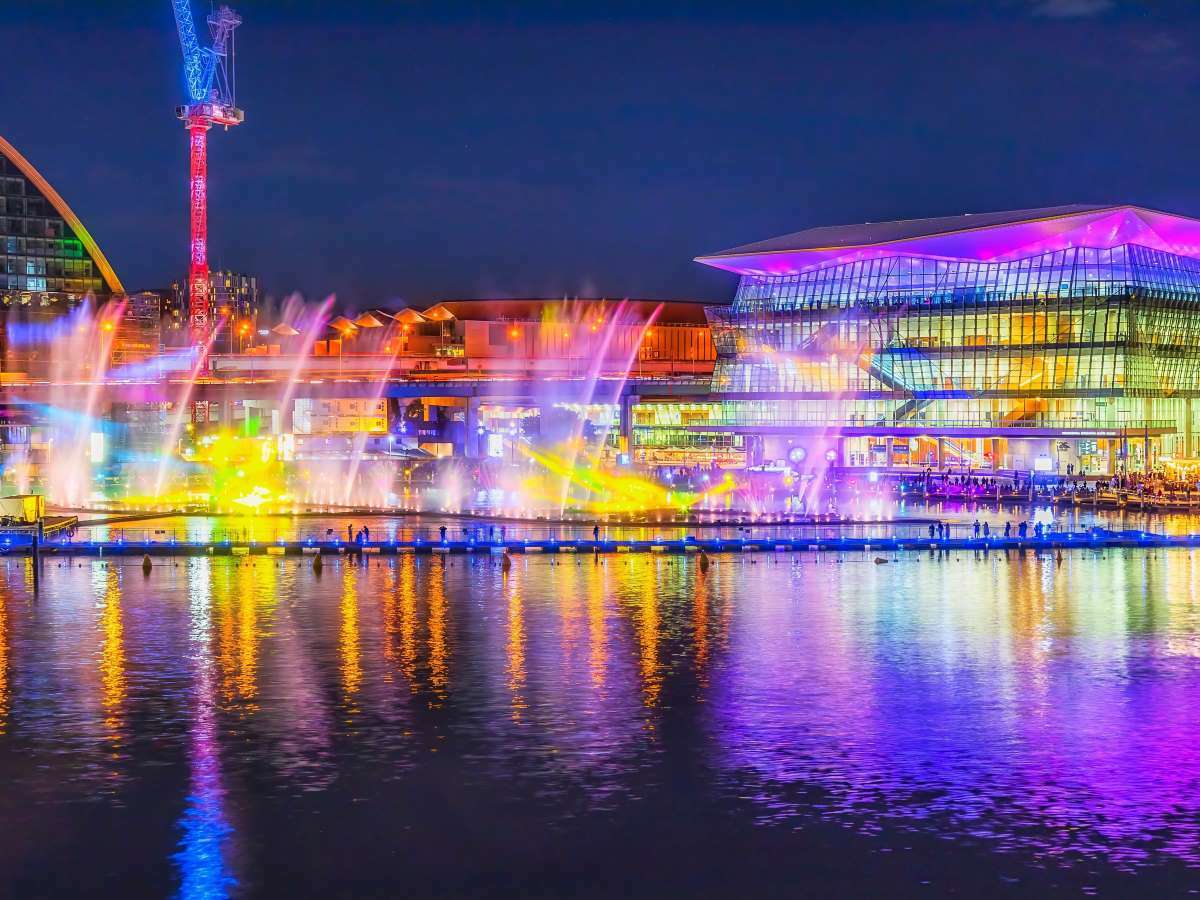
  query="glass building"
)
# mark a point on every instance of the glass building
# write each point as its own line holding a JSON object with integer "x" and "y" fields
{"x": 1059, "y": 340}
{"x": 48, "y": 261}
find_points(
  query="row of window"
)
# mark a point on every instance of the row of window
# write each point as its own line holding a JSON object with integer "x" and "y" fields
{"x": 55, "y": 268}
{"x": 1116, "y": 413}
{"x": 69, "y": 247}
{"x": 36, "y": 228}
{"x": 43, "y": 283}
{"x": 1012, "y": 326}
{"x": 894, "y": 280}
{"x": 909, "y": 373}
{"x": 26, "y": 206}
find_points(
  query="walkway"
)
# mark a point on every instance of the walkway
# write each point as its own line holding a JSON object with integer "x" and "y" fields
{"x": 1095, "y": 540}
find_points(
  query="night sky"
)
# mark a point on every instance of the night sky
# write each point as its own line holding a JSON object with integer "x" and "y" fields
{"x": 410, "y": 151}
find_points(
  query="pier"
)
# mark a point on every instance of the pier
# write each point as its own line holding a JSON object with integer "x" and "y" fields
{"x": 1094, "y": 540}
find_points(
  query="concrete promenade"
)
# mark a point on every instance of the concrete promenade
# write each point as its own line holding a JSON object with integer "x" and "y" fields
{"x": 1094, "y": 540}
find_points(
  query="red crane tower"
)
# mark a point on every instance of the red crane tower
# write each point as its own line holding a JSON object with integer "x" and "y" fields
{"x": 208, "y": 72}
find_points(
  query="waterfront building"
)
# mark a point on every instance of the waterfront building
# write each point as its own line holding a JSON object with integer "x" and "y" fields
{"x": 472, "y": 377}
{"x": 138, "y": 337}
{"x": 1057, "y": 340}
{"x": 174, "y": 315}
{"x": 49, "y": 264}
{"x": 48, "y": 260}
{"x": 238, "y": 299}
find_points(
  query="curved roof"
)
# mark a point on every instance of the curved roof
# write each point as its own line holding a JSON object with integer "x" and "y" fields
{"x": 985, "y": 237}
{"x": 60, "y": 205}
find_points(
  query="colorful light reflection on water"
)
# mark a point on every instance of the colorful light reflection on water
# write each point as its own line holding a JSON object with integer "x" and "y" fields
{"x": 249, "y": 727}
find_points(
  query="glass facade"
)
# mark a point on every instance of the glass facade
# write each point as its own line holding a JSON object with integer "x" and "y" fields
{"x": 1120, "y": 321}
{"x": 1045, "y": 339}
{"x": 43, "y": 260}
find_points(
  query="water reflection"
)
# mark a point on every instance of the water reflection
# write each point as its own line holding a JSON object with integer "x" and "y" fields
{"x": 404, "y": 633}
{"x": 516, "y": 645}
{"x": 1040, "y": 709}
{"x": 597, "y": 615}
{"x": 348, "y": 649}
{"x": 5, "y": 687}
{"x": 202, "y": 860}
{"x": 241, "y": 590}
{"x": 111, "y": 655}
{"x": 647, "y": 631}
{"x": 1010, "y": 701}
{"x": 439, "y": 670}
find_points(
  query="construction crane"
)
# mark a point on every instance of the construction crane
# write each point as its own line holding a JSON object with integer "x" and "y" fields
{"x": 209, "y": 74}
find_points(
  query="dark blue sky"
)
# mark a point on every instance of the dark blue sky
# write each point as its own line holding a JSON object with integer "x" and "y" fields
{"x": 410, "y": 151}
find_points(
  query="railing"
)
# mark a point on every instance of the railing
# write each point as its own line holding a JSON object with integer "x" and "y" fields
{"x": 396, "y": 532}
{"x": 782, "y": 420}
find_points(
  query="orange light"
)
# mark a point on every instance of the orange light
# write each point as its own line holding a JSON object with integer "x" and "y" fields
{"x": 514, "y": 333}
{"x": 107, "y": 326}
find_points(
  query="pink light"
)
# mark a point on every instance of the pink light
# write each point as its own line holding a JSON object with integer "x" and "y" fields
{"x": 198, "y": 286}
{"x": 1099, "y": 229}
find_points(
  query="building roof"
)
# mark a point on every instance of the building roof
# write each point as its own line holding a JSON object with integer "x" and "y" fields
{"x": 665, "y": 312}
{"x": 60, "y": 205}
{"x": 984, "y": 236}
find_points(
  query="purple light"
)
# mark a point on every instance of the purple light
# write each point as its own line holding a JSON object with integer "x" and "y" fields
{"x": 1098, "y": 229}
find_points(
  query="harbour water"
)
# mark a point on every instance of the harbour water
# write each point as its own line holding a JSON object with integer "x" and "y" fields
{"x": 780, "y": 725}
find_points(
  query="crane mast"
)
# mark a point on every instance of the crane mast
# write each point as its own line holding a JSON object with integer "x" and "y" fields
{"x": 208, "y": 74}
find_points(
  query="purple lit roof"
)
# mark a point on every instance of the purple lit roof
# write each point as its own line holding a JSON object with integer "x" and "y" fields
{"x": 985, "y": 237}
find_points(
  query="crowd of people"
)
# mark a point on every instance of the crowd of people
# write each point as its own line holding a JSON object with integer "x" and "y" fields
{"x": 1149, "y": 485}
{"x": 941, "y": 531}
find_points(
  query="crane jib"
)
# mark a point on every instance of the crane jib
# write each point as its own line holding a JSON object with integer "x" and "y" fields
{"x": 193, "y": 57}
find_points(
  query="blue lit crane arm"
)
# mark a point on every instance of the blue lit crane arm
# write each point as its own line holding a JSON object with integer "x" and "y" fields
{"x": 197, "y": 63}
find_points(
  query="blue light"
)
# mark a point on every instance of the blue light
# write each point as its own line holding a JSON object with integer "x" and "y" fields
{"x": 193, "y": 56}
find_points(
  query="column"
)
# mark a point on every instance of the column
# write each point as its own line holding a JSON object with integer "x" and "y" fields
{"x": 1189, "y": 446}
{"x": 472, "y": 445}
{"x": 282, "y": 418}
{"x": 753, "y": 448}
{"x": 626, "y": 422}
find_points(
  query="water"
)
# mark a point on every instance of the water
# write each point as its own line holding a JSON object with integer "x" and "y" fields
{"x": 781, "y": 725}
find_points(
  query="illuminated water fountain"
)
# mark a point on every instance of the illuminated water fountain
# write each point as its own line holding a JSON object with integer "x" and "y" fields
{"x": 80, "y": 348}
